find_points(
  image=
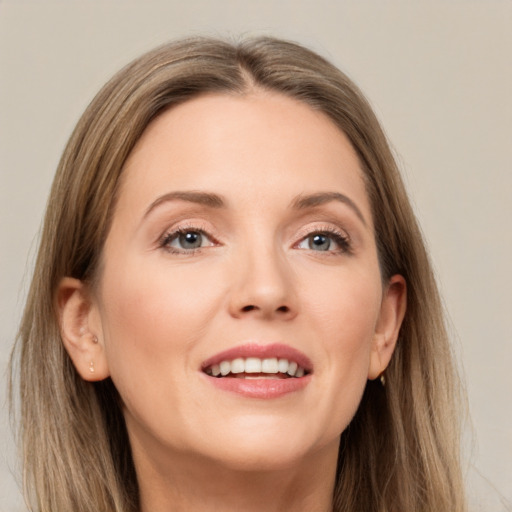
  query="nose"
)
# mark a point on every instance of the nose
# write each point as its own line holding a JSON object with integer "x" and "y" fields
{"x": 263, "y": 286}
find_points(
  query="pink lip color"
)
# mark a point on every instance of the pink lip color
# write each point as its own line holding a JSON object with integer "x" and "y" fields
{"x": 260, "y": 388}
{"x": 261, "y": 351}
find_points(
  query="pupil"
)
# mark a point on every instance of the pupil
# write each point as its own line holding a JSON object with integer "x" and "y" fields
{"x": 319, "y": 242}
{"x": 190, "y": 240}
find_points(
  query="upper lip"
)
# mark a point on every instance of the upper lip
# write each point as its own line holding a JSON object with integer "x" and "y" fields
{"x": 262, "y": 351}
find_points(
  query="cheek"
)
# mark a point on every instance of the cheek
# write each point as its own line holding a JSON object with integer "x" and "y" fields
{"x": 343, "y": 314}
{"x": 345, "y": 307}
{"x": 151, "y": 319}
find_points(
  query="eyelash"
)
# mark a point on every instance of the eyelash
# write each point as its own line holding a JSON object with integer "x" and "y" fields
{"x": 341, "y": 239}
{"x": 170, "y": 236}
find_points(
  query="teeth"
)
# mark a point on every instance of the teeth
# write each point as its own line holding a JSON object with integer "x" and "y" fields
{"x": 270, "y": 366}
{"x": 252, "y": 365}
{"x": 225, "y": 368}
{"x": 283, "y": 365}
{"x": 292, "y": 368}
{"x": 237, "y": 366}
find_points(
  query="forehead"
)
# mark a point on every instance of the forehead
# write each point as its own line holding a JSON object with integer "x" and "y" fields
{"x": 259, "y": 143}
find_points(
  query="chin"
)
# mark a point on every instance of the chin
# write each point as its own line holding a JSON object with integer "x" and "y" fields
{"x": 258, "y": 459}
{"x": 267, "y": 446}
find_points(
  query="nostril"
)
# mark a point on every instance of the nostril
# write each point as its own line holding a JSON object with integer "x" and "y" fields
{"x": 251, "y": 307}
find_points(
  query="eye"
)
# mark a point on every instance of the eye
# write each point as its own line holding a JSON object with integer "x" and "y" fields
{"x": 186, "y": 240}
{"x": 325, "y": 241}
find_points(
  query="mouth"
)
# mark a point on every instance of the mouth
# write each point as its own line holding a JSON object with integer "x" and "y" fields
{"x": 259, "y": 371}
{"x": 257, "y": 368}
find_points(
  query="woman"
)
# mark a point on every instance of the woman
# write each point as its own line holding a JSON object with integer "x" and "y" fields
{"x": 232, "y": 307}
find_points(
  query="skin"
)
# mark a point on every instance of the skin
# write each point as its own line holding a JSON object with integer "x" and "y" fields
{"x": 160, "y": 310}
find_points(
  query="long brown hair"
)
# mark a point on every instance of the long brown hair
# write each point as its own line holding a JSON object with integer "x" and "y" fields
{"x": 400, "y": 452}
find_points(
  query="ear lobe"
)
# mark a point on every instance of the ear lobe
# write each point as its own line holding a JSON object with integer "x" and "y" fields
{"x": 80, "y": 329}
{"x": 392, "y": 312}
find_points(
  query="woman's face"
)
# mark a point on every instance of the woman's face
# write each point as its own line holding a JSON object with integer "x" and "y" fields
{"x": 242, "y": 242}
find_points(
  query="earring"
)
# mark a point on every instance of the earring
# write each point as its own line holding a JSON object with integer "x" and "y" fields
{"x": 91, "y": 366}
{"x": 382, "y": 379}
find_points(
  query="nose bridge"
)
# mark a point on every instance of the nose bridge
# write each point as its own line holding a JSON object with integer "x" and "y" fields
{"x": 263, "y": 285}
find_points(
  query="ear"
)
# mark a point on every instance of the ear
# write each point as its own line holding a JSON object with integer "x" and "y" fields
{"x": 80, "y": 329}
{"x": 392, "y": 311}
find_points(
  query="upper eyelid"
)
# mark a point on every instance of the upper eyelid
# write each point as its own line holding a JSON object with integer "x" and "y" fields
{"x": 191, "y": 225}
{"x": 189, "y": 214}
{"x": 178, "y": 231}
{"x": 335, "y": 235}
{"x": 322, "y": 227}
{"x": 182, "y": 226}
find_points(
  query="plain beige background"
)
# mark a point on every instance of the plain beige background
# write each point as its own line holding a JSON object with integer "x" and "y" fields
{"x": 439, "y": 75}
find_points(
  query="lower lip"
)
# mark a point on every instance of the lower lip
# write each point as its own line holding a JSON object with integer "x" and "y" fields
{"x": 260, "y": 388}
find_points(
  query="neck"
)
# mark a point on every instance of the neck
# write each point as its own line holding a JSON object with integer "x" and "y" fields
{"x": 191, "y": 484}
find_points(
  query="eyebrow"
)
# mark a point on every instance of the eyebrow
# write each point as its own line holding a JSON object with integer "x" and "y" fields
{"x": 203, "y": 198}
{"x": 212, "y": 200}
{"x": 302, "y": 202}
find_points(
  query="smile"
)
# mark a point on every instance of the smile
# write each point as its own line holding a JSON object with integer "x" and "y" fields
{"x": 259, "y": 371}
{"x": 256, "y": 368}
